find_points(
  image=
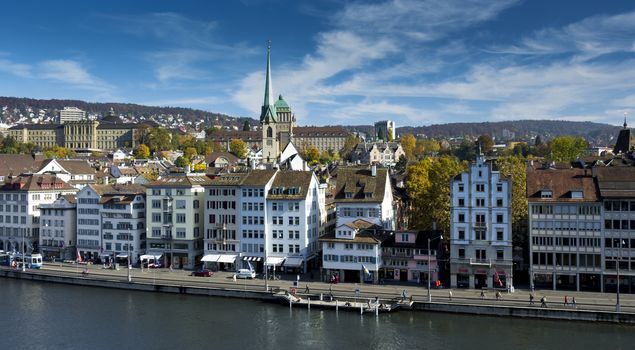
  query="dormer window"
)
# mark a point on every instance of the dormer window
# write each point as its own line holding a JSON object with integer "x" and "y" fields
{"x": 546, "y": 194}
{"x": 348, "y": 194}
{"x": 368, "y": 195}
{"x": 577, "y": 194}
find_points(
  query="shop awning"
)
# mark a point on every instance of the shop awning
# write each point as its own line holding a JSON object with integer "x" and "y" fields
{"x": 293, "y": 261}
{"x": 210, "y": 258}
{"x": 227, "y": 258}
{"x": 148, "y": 256}
{"x": 251, "y": 258}
{"x": 274, "y": 261}
{"x": 105, "y": 254}
{"x": 122, "y": 255}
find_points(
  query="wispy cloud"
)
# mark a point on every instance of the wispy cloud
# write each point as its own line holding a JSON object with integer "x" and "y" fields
{"x": 71, "y": 72}
{"x": 17, "y": 69}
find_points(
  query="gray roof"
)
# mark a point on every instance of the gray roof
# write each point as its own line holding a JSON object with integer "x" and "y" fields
{"x": 359, "y": 182}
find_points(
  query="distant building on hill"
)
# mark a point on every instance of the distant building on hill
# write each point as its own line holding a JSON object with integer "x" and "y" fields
{"x": 71, "y": 114}
{"x": 385, "y": 128}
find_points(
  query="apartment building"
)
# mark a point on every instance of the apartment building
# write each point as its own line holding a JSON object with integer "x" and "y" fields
{"x": 176, "y": 205}
{"x": 58, "y": 228}
{"x": 111, "y": 222}
{"x": 20, "y": 201}
{"x": 364, "y": 193}
{"x": 480, "y": 228}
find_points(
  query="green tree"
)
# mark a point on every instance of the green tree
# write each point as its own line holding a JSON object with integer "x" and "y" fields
{"x": 390, "y": 138}
{"x": 142, "y": 152}
{"x": 246, "y": 126}
{"x": 409, "y": 144}
{"x": 190, "y": 152}
{"x": 515, "y": 167}
{"x": 238, "y": 148}
{"x": 349, "y": 146}
{"x": 58, "y": 152}
{"x": 428, "y": 184}
{"x": 566, "y": 148}
{"x": 486, "y": 143}
{"x": 182, "y": 162}
{"x": 159, "y": 139}
{"x": 402, "y": 163}
{"x": 466, "y": 150}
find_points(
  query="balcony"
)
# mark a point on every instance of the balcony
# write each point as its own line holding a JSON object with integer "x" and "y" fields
{"x": 480, "y": 225}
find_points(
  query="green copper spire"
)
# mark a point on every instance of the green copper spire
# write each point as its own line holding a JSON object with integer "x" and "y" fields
{"x": 268, "y": 108}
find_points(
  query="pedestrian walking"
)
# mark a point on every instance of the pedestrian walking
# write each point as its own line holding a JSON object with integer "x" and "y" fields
{"x": 482, "y": 294}
{"x": 498, "y": 295}
{"x": 531, "y": 298}
{"x": 450, "y": 295}
{"x": 404, "y": 295}
{"x": 306, "y": 290}
{"x": 234, "y": 278}
{"x": 566, "y": 300}
{"x": 543, "y": 301}
{"x": 573, "y": 302}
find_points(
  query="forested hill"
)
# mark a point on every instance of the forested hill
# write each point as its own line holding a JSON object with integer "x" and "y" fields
{"x": 14, "y": 107}
{"x": 595, "y": 133}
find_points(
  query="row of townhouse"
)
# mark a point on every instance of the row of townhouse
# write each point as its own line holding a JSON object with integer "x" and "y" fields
{"x": 582, "y": 228}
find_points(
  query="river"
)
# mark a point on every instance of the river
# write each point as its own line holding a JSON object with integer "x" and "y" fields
{"x": 39, "y": 315}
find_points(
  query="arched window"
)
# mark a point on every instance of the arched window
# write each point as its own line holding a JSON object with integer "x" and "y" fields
{"x": 269, "y": 132}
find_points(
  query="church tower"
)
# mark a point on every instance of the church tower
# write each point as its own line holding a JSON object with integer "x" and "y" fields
{"x": 268, "y": 119}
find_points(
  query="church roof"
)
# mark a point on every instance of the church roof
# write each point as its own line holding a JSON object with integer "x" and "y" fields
{"x": 268, "y": 110}
{"x": 281, "y": 104}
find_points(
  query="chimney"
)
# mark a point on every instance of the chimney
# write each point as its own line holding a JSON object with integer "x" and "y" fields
{"x": 373, "y": 170}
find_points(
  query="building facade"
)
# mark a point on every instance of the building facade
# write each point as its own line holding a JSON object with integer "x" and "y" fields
{"x": 480, "y": 228}
{"x": 385, "y": 153}
{"x": 386, "y": 130}
{"x": 21, "y": 198}
{"x": 406, "y": 257}
{"x": 58, "y": 228}
{"x": 71, "y": 114}
{"x": 175, "y": 219}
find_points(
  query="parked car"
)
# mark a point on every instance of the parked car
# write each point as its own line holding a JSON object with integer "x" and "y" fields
{"x": 202, "y": 273}
{"x": 246, "y": 273}
{"x": 154, "y": 265}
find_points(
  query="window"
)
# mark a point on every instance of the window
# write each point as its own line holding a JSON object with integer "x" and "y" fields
{"x": 479, "y": 235}
{"x": 462, "y": 253}
{"x": 461, "y": 202}
{"x": 577, "y": 194}
{"x": 481, "y": 254}
{"x": 500, "y": 254}
{"x": 156, "y": 204}
{"x": 156, "y": 217}
{"x": 180, "y": 204}
{"x": 546, "y": 194}
{"x": 461, "y": 234}
{"x": 480, "y": 219}
{"x": 499, "y": 202}
{"x": 461, "y": 217}
{"x": 180, "y": 218}
{"x": 480, "y": 202}
{"x": 480, "y": 187}
{"x": 499, "y": 187}
{"x": 180, "y": 233}
{"x": 499, "y": 218}
{"x": 461, "y": 188}
{"x": 499, "y": 235}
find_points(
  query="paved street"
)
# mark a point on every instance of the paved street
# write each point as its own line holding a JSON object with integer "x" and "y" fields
{"x": 224, "y": 280}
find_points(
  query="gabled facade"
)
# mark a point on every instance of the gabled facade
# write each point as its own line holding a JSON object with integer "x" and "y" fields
{"x": 363, "y": 193}
{"x": 480, "y": 228}
{"x": 20, "y": 201}
{"x": 58, "y": 228}
{"x": 76, "y": 172}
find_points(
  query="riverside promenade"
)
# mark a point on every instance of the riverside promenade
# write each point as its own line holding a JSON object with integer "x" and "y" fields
{"x": 589, "y": 306}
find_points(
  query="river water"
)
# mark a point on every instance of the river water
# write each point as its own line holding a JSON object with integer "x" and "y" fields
{"x": 37, "y": 315}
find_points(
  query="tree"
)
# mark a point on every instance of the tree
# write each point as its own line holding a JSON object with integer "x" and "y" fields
{"x": 409, "y": 144}
{"x": 566, "y": 148}
{"x": 142, "y": 152}
{"x": 349, "y": 146}
{"x": 246, "y": 126}
{"x": 427, "y": 148}
{"x": 515, "y": 166}
{"x": 538, "y": 141}
{"x": 159, "y": 139}
{"x": 486, "y": 143}
{"x": 190, "y": 152}
{"x": 465, "y": 151}
{"x": 428, "y": 184}
{"x": 58, "y": 152}
{"x": 238, "y": 148}
{"x": 200, "y": 167}
{"x": 312, "y": 155}
{"x": 402, "y": 163}
{"x": 380, "y": 134}
{"x": 182, "y": 162}
{"x": 390, "y": 131}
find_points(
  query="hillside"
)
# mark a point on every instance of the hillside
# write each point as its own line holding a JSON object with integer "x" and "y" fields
{"x": 16, "y": 109}
{"x": 595, "y": 133}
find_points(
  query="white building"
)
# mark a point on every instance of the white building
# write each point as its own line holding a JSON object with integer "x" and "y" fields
{"x": 71, "y": 114}
{"x": 111, "y": 222}
{"x": 364, "y": 193}
{"x": 58, "y": 228}
{"x": 480, "y": 228}
{"x": 20, "y": 201}
{"x": 222, "y": 220}
{"x": 353, "y": 252}
{"x": 293, "y": 215}
{"x": 176, "y": 205}
{"x": 76, "y": 172}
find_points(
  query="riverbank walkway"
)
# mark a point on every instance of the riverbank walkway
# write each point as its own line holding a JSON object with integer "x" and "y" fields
{"x": 419, "y": 293}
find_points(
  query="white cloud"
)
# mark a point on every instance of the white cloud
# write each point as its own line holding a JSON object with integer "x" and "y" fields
{"x": 71, "y": 72}
{"x": 18, "y": 69}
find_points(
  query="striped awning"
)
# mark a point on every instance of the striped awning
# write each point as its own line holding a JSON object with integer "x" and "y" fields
{"x": 252, "y": 258}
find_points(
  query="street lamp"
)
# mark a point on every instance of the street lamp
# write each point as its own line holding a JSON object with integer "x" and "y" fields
{"x": 129, "y": 266}
{"x": 23, "y": 251}
{"x": 429, "y": 239}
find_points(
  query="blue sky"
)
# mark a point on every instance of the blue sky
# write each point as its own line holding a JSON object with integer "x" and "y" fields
{"x": 417, "y": 62}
